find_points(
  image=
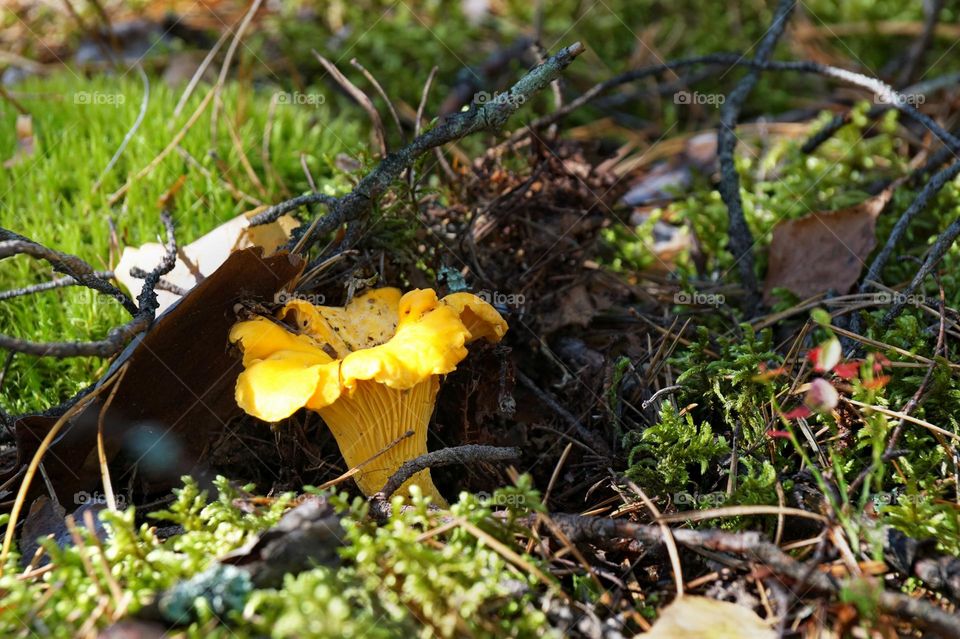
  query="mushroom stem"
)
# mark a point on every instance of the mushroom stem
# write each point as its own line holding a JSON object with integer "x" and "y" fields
{"x": 371, "y": 418}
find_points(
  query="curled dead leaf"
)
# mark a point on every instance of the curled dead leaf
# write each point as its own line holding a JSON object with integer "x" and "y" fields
{"x": 824, "y": 250}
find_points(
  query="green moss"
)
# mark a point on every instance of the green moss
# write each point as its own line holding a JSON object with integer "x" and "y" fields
{"x": 78, "y": 124}
{"x": 662, "y": 455}
{"x": 395, "y": 578}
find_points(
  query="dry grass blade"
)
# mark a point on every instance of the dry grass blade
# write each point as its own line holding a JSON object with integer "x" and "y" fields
{"x": 101, "y": 450}
{"x": 905, "y": 417}
{"x": 668, "y": 539}
{"x": 360, "y": 97}
{"x": 34, "y": 464}
{"x": 356, "y": 469}
{"x": 739, "y": 511}
{"x": 510, "y": 555}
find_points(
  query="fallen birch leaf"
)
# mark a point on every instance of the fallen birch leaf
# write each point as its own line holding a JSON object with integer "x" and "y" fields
{"x": 202, "y": 257}
{"x": 823, "y": 250}
{"x": 693, "y": 617}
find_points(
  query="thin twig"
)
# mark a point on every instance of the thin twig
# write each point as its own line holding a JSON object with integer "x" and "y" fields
{"x": 917, "y": 206}
{"x": 741, "y": 239}
{"x": 598, "y": 445}
{"x": 601, "y": 530}
{"x": 919, "y": 48}
{"x": 417, "y": 122}
{"x": 470, "y": 453}
{"x": 489, "y": 116}
{"x": 101, "y": 448}
{"x": 198, "y": 74}
{"x": 60, "y": 282}
{"x": 936, "y": 253}
{"x": 273, "y": 213}
{"x": 13, "y": 244}
{"x": 383, "y": 94}
{"x": 360, "y": 98}
{"x": 143, "y": 313}
{"x": 225, "y": 67}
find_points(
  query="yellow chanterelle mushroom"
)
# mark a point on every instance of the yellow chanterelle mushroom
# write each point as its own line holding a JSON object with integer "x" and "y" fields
{"x": 371, "y": 370}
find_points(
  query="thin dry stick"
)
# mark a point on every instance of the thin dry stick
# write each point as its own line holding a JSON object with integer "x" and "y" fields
{"x": 913, "y": 402}
{"x": 84, "y": 558}
{"x": 225, "y": 68}
{"x": 556, "y": 472}
{"x": 115, "y": 589}
{"x": 61, "y": 282}
{"x": 226, "y": 184}
{"x": 174, "y": 143}
{"x": 511, "y": 555}
{"x": 443, "y": 457}
{"x": 490, "y": 116}
{"x": 116, "y": 339}
{"x": 9, "y": 98}
{"x": 383, "y": 94}
{"x": 602, "y": 530}
{"x": 667, "y": 533}
{"x": 15, "y": 244}
{"x": 101, "y": 449}
{"x": 919, "y": 48}
{"x": 905, "y": 417}
{"x": 356, "y": 469}
{"x": 242, "y": 155}
{"x": 360, "y": 98}
{"x": 198, "y": 74}
{"x": 741, "y": 239}
{"x": 307, "y": 173}
{"x": 882, "y": 346}
{"x": 572, "y": 548}
{"x": 417, "y": 122}
{"x": 595, "y": 443}
{"x": 739, "y": 511}
{"x": 553, "y": 480}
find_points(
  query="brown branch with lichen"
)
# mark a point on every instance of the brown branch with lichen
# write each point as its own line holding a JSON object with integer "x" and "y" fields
{"x": 143, "y": 312}
{"x": 490, "y": 115}
{"x": 470, "y": 453}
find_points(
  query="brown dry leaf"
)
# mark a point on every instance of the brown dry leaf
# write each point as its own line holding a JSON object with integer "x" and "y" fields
{"x": 177, "y": 392}
{"x": 823, "y": 250}
{"x": 693, "y": 617}
{"x": 576, "y": 308}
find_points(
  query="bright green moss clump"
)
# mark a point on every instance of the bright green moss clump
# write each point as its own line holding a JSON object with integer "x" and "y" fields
{"x": 78, "y": 124}
{"x": 394, "y": 579}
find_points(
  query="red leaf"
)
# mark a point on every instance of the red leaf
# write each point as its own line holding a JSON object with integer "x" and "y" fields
{"x": 778, "y": 434}
{"x": 877, "y": 382}
{"x": 768, "y": 374}
{"x": 799, "y": 411}
{"x": 880, "y": 362}
{"x": 847, "y": 370}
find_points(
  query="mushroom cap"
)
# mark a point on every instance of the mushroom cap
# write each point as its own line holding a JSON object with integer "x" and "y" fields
{"x": 392, "y": 338}
{"x": 370, "y": 369}
{"x": 283, "y": 372}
